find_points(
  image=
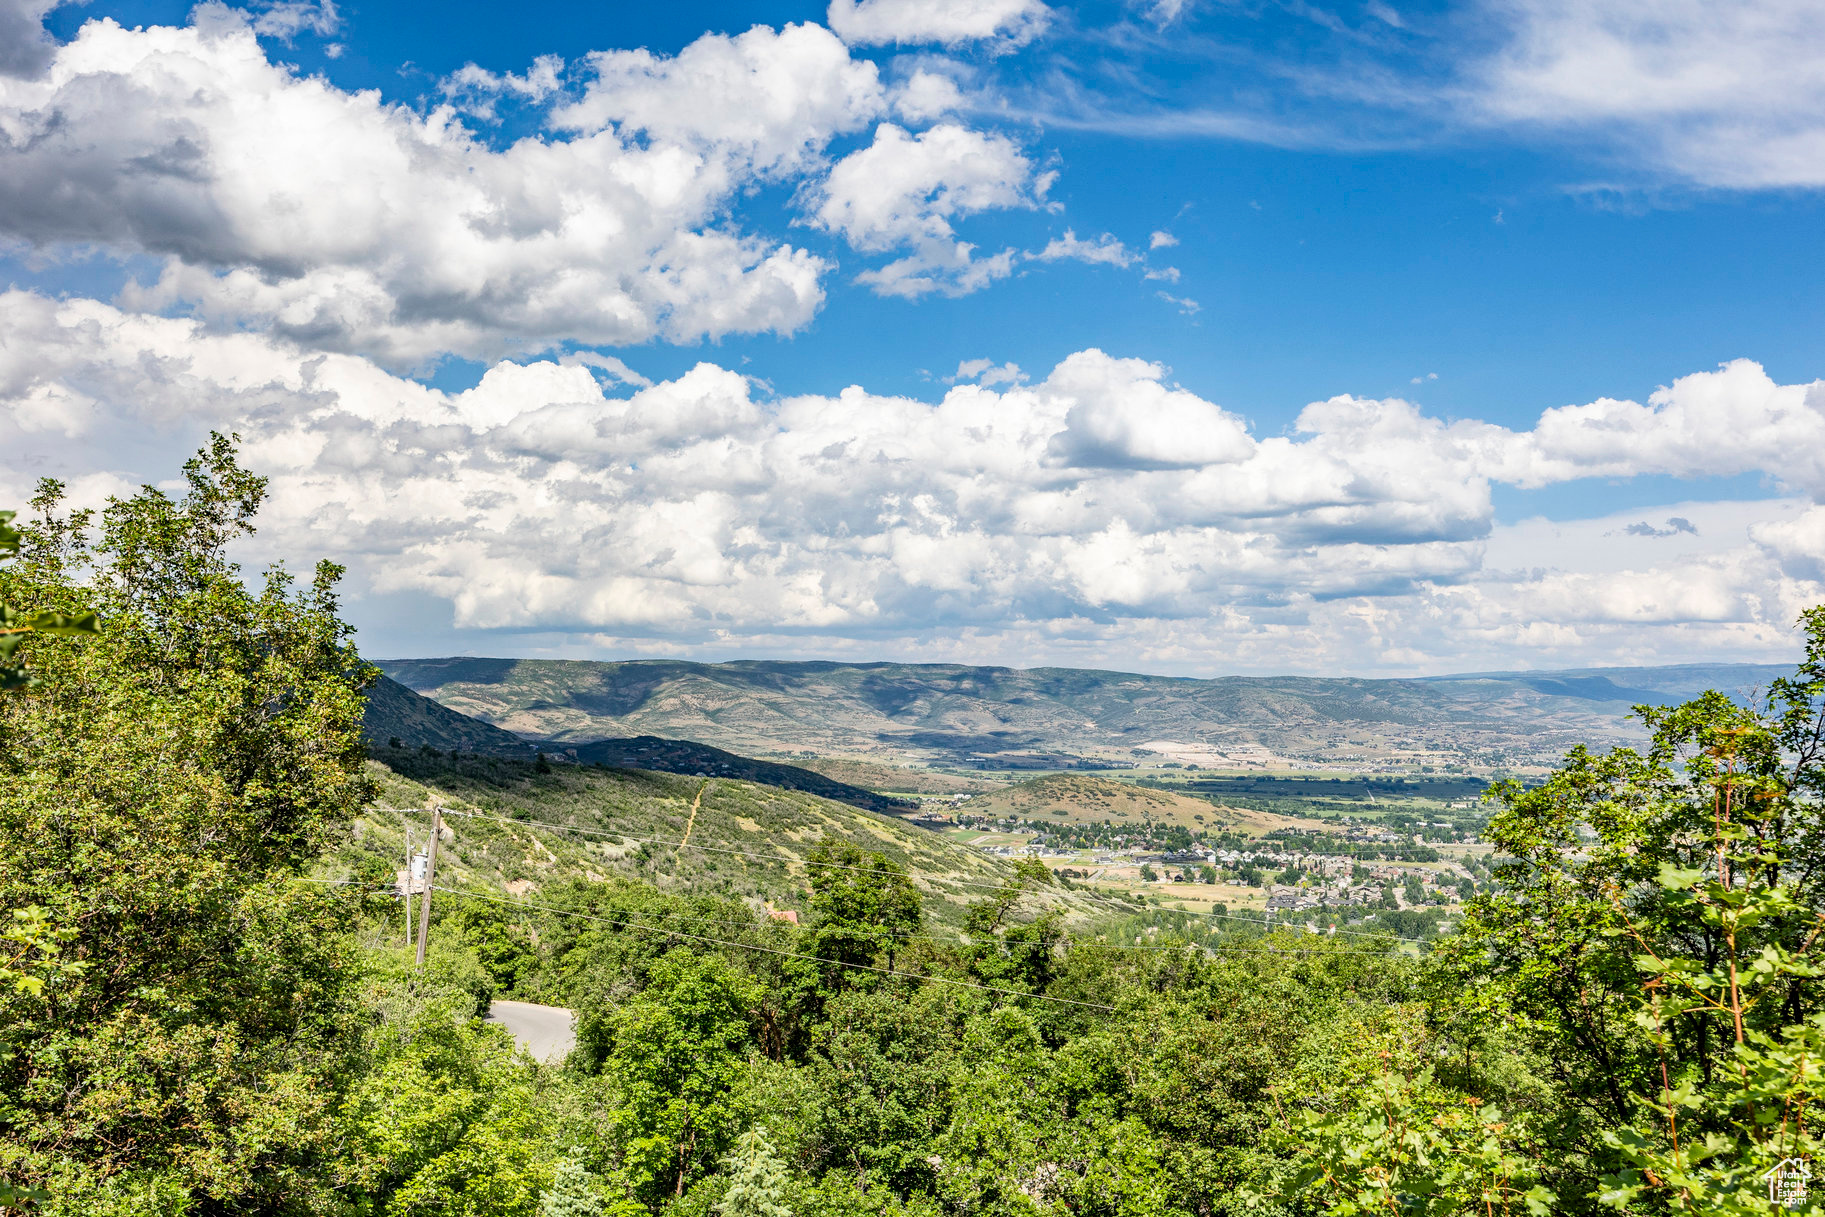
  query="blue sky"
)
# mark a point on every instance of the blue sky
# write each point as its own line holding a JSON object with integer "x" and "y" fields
{"x": 1149, "y": 235}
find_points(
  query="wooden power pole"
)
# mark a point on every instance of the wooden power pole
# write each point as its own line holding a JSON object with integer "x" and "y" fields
{"x": 424, "y": 906}
{"x": 406, "y": 887}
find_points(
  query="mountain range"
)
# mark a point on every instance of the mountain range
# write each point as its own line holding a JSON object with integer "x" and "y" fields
{"x": 993, "y": 718}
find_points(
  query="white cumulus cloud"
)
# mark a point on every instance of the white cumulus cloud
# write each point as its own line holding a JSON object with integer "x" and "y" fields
{"x": 904, "y": 190}
{"x": 927, "y": 95}
{"x": 985, "y": 372}
{"x": 766, "y": 101}
{"x": 346, "y": 222}
{"x": 1120, "y": 415}
{"x": 950, "y": 22}
{"x": 25, "y": 49}
{"x": 286, "y": 19}
{"x": 1099, "y": 511}
{"x": 475, "y": 90}
{"x": 1105, "y": 249}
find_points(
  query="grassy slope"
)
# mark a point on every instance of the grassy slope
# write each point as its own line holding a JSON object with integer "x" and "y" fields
{"x": 1076, "y": 799}
{"x": 747, "y": 842}
{"x": 1080, "y": 799}
{"x": 702, "y": 760}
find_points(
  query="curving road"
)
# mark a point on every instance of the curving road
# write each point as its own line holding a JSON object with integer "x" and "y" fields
{"x": 547, "y": 1032}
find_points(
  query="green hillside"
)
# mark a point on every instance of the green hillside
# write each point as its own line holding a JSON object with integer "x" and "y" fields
{"x": 745, "y": 841}
{"x": 399, "y": 719}
{"x": 701, "y": 760}
{"x": 396, "y": 713}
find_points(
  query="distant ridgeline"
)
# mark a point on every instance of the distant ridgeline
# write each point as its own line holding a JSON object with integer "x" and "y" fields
{"x": 992, "y": 718}
{"x": 399, "y": 718}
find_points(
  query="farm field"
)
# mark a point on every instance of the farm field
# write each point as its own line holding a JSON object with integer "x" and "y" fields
{"x": 1366, "y": 796}
{"x": 1196, "y": 897}
{"x": 1077, "y": 799}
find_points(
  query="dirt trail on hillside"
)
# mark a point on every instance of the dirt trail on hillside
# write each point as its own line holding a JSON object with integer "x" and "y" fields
{"x": 692, "y": 822}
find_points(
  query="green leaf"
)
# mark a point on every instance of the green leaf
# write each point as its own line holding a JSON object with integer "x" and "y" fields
{"x": 64, "y": 624}
{"x": 1679, "y": 878}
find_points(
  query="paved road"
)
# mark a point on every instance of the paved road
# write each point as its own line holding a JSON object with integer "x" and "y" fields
{"x": 547, "y": 1032}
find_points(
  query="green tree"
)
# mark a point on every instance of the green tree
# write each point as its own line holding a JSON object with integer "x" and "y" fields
{"x": 16, "y": 625}
{"x": 1017, "y": 956}
{"x": 161, "y": 787}
{"x": 442, "y": 1115}
{"x": 863, "y": 906}
{"x": 499, "y": 939}
{"x": 32, "y": 945}
{"x": 574, "y": 1191}
{"x": 1754, "y": 1114}
{"x": 1022, "y": 1139}
{"x": 679, "y": 1049}
{"x": 1652, "y": 944}
{"x": 1396, "y": 1141}
{"x": 757, "y": 1180}
{"x": 881, "y": 1064}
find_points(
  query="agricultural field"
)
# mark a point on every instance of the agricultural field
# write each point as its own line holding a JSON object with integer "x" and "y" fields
{"x": 1063, "y": 801}
{"x": 1372, "y": 797}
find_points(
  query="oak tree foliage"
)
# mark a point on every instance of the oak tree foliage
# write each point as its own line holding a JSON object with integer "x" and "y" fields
{"x": 161, "y": 784}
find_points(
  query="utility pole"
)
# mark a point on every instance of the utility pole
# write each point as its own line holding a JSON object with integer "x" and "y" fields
{"x": 406, "y": 887}
{"x": 424, "y": 907}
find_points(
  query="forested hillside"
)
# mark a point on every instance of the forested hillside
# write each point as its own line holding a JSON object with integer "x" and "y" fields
{"x": 399, "y": 722}
{"x": 396, "y": 717}
{"x": 524, "y": 827}
{"x": 206, "y": 1006}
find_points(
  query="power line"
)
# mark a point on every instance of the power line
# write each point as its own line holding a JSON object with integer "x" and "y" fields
{"x": 748, "y": 946}
{"x": 870, "y": 870}
{"x": 373, "y": 886}
{"x": 1334, "y": 930}
{"x": 964, "y": 942}
{"x": 952, "y": 942}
